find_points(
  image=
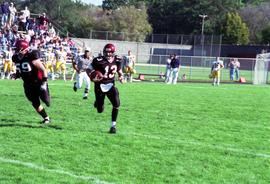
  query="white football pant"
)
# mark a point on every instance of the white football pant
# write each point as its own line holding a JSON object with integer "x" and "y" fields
{"x": 80, "y": 77}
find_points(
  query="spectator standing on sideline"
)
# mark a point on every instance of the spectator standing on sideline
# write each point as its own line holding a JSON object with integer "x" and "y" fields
{"x": 237, "y": 67}
{"x": 168, "y": 68}
{"x": 232, "y": 67}
{"x": 5, "y": 12}
{"x": 82, "y": 62}
{"x": 12, "y": 14}
{"x": 175, "y": 67}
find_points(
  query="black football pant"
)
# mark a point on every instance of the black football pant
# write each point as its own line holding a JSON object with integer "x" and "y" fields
{"x": 113, "y": 96}
{"x": 34, "y": 94}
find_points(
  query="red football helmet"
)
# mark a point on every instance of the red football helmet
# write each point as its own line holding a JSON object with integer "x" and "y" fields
{"x": 21, "y": 45}
{"x": 109, "y": 50}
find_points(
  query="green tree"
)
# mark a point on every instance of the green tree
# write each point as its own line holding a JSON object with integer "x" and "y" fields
{"x": 235, "y": 31}
{"x": 128, "y": 20}
{"x": 182, "y": 16}
{"x": 265, "y": 35}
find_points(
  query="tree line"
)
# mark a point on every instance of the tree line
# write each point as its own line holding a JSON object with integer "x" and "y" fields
{"x": 239, "y": 21}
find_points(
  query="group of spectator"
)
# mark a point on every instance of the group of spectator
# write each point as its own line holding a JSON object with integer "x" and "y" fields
{"x": 38, "y": 31}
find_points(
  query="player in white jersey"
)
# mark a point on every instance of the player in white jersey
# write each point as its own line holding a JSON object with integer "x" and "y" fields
{"x": 129, "y": 66}
{"x": 82, "y": 62}
{"x": 7, "y": 61}
{"x": 215, "y": 71}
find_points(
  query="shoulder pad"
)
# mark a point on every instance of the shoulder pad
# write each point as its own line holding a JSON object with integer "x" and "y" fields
{"x": 118, "y": 58}
{"x": 97, "y": 59}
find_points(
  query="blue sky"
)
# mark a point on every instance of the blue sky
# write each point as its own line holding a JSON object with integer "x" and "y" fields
{"x": 95, "y": 2}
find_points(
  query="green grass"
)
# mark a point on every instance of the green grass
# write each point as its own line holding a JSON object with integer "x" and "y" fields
{"x": 185, "y": 133}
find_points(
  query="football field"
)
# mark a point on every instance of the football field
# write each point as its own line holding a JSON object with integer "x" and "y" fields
{"x": 184, "y": 133}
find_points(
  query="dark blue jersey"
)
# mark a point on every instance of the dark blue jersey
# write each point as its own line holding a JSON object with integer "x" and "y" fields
{"x": 175, "y": 63}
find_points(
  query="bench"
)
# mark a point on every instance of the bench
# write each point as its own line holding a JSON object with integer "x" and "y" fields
{"x": 141, "y": 75}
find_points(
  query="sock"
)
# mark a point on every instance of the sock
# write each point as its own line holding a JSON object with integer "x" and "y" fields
{"x": 86, "y": 91}
{"x": 43, "y": 114}
{"x": 113, "y": 123}
{"x": 114, "y": 114}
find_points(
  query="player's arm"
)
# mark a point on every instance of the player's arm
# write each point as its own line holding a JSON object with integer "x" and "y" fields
{"x": 17, "y": 74}
{"x": 40, "y": 66}
{"x": 221, "y": 65}
{"x": 74, "y": 64}
{"x": 212, "y": 68}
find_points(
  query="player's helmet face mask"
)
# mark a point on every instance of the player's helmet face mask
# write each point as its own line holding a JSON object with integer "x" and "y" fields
{"x": 109, "y": 50}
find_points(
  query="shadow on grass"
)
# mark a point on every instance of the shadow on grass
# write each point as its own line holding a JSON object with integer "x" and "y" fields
{"x": 13, "y": 123}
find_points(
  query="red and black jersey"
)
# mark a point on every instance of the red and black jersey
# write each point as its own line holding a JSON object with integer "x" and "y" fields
{"x": 108, "y": 69}
{"x": 25, "y": 67}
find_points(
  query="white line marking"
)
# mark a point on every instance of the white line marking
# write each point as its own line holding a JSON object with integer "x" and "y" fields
{"x": 224, "y": 148}
{"x": 58, "y": 171}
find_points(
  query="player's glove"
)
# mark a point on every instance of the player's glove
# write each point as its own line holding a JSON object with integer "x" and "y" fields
{"x": 15, "y": 75}
{"x": 43, "y": 86}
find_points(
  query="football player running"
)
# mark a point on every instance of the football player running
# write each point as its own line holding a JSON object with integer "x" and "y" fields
{"x": 102, "y": 73}
{"x": 34, "y": 76}
{"x": 82, "y": 62}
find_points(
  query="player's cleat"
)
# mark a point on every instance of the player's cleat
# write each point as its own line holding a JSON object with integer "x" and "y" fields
{"x": 112, "y": 130}
{"x": 85, "y": 97}
{"x": 46, "y": 121}
{"x": 74, "y": 87}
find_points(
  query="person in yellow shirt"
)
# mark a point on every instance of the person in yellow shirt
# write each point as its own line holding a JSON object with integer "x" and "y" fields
{"x": 8, "y": 64}
{"x": 61, "y": 57}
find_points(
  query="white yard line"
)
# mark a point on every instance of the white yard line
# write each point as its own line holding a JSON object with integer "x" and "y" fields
{"x": 219, "y": 147}
{"x": 55, "y": 171}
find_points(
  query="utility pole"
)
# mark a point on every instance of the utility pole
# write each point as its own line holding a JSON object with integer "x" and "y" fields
{"x": 203, "y": 16}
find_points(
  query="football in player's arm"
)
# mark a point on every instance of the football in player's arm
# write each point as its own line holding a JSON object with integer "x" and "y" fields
{"x": 34, "y": 76}
{"x": 102, "y": 72}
